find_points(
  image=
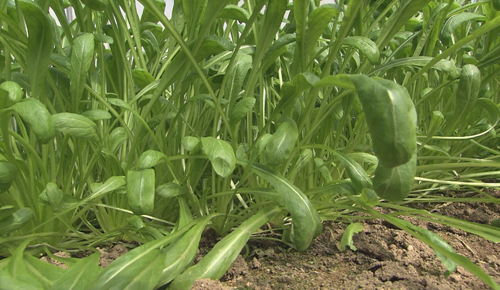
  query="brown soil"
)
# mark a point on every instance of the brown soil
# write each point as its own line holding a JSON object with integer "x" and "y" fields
{"x": 386, "y": 258}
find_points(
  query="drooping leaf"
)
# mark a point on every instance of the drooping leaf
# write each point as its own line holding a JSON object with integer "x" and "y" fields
{"x": 170, "y": 189}
{"x": 236, "y": 76}
{"x": 348, "y": 234}
{"x": 80, "y": 275}
{"x": 317, "y": 22}
{"x": 76, "y": 125}
{"x": 214, "y": 264}
{"x": 456, "y": 21}
{"x": 280, "y": 145}
{"x": 365, "y": 45}
{"x": 234, "y": 12}
{"x": 36, "y": 115}
{"x": 305, "y": 219}
{"x": 394, "y": 184}
{"x": 391, "y": 119}
{"x": 189, "y": 143}
{"x": 110, "y": 185}
{"x": 96, "y": 115}
{"x": 241, "y": 109}
{"x": 221, "y": 155}
{"x": 357, "y": 174}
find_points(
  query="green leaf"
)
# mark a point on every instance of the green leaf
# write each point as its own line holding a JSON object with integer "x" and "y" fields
{"x": 110, "y": 185}
{"x": 318, "y": 20}
{"x": 348, "y": 234}
{"x": 170, "y": 189}
{"x": 236, "y": 76}
{"x": 280, "y": 145}
{"x": 8, "y": 173}
{"x": 40, "y": 45}
{"x": 45, "y": 273}
{"x": 82, "y": 55}
{"x": 181, "y": 253}
{"x": 214, "y": 264}
{"x": 96, "y": 115}
{"x": 15, "y": 275}
{"x": 305, "y": 219}
{"x": 496, "y": 4}
{"x": 6, "y": 211}
{"x": 241, "y": 109}
{"x": 221, "y": 155}
{"x": 456, "y": 21}
{"x": 357, "y": 174}
{"x": 189, "y": 143}
{"x": 421, "y": 61}
{"x": 323, "y": 170}
{"x": 97, "y": 5}
{"x": 10, "y": 94}
{"x": 117, "y": 137}
{"x": 365, "y": 45}
{"x": 53, "y": 196}
{"x": 16, "y": 221}
{"x": 142, "y": 78}
{"x": 391, "y": 119}
{"x": 234, "y": 12}
{"x": 436, "y": 121}
{"x": 141, "y": 191}
{"x": 76, "y": 125}
{"x": 149, "y": 159}
{"x": 468, "y": 89}
{"x": 394, "y": 184}
{"x": 36, "y": 115}
{"x": 80, "y": 275}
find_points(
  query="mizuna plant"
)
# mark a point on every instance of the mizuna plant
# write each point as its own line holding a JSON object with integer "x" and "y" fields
{"x": 120, "y": 125}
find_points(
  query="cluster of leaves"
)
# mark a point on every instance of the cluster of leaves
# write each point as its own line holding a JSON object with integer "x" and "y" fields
{"x": 120, "y": 126}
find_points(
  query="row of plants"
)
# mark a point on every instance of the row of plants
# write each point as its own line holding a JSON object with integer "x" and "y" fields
{"x": 120, "y": 126}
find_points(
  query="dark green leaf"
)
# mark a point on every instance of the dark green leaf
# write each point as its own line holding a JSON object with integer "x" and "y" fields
{"x": 36, "y": 115}
{"x": 142, "y": 77}
{"x": 280, "y": 145}
{"x": 96, "y": 115}
{"x": 141, "y": 191}
{"x": 149, "y": 159}
{"x": 82, "y": 55}
{"x": 170, "y": 189}
{"x": 76, "y": 125}
{"x": 394, "y": 184}
{"x": 365, "y": 45}
{"x": 80, "y": 275}
{"x": 10, "y": 94}
{"x": 457, "y": 20}
{"x": 16, "y": 221}
{"x": 241, "y": 109}
{"x": 189, "y": 143}
{"x": 8, "y": 173}
{"x": 221, "y": 155}
{"x": 234, "y": 12}
{"x": 357, "y": 174}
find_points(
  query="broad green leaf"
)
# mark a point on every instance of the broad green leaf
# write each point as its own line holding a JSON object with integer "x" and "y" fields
{"x": 117, "y": 137}
{"x": 456, "y": 21}
{"x": 120, "y": 103}
{"x": 181, "y": 253}
{"x": 241, "y": 109}
{"x": 305, "y": 219}
{"x": 212, "y": 45}
{"x": 96, "y": 115}
{"x": 76, "y": 125}
{"x": 10, "y": 94}
{"x": 141, "y": 191}
{"x": 280, "y": 145}
{"x": 357, "y": 174}
{"x": 276, "y": 49}
{"x": 53, "y": 196}
{"x": 341, "y": 81}
{"x": 189, "y": 143}
{"x": 8, "y": 173}
{"x": 234, "y": 12}
{"x": 142, "y": 77}
{"x": 490, "y": 106}
{"x": 365, "y": 45}
{"x": 36, "y": 115}
{"x": 40, "y": 45}
{"x": 467, "y": 92}
{"x": 221, "y": 155}
{"x": 214, "y": 264}
{"x": 149, "y": 159}
{"x": 317, "y": 22}
{"x": 45, "y": 273}
{"x": 82, "y": 55}
{"x": 80, "y": 275}
{"x": 170, "y": 189}
{"x": 16, "y": 221}
{"x": 394, "y": 184}
{"x": 348, "y": 234}
{"x": 262, "y": 143}
{"x": 421, "y": 61}
{"x": 391, "y": 119}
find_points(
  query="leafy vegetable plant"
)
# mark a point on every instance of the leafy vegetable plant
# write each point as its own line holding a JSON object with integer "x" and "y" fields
{"x": 127, "y": 125}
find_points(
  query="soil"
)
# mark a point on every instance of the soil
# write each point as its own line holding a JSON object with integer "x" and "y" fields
{"x": 386, "y": 258}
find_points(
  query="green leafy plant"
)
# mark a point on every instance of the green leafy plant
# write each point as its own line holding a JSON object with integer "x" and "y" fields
{"x": 119, "y": 125}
